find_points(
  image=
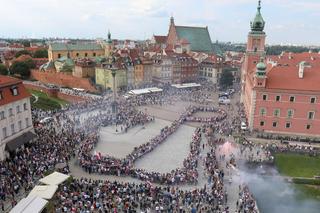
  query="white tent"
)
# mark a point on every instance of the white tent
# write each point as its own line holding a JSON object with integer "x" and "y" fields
{"x": 155, "y": 89}
{"x": 187, "y": 85}
{"x": 45, "y": 192}
{"x": 145, "y": 91}
{"x": 55, "y": 178}
{"x": 30, "y": 204}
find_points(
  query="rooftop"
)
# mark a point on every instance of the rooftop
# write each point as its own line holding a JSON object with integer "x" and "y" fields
{"x": 75, "y": 46}
{"x": 198, "y": 37}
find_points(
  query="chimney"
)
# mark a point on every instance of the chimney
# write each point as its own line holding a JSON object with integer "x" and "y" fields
{"x": 301, "y": 69}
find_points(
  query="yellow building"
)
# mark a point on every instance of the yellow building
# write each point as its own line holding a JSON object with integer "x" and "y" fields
{"x": 105, "y": 80}
{"x": 74, "y": 51}
{"x": 138, "y": 73}
{"x": 81, "y": 49}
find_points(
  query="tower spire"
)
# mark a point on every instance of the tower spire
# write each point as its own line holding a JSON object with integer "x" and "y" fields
{"x": 257, "y": 25}
{"x": 109, "y": 37}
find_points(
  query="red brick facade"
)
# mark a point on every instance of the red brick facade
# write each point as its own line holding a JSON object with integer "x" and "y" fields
{"x": 61, "y": 79}
{"x": 281, "y": 94}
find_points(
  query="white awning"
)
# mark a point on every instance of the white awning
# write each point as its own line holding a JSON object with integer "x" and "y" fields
{"x": 30, "y": 204}
{"x": 187, "y": 85}
{"x": 55, "y": 178}
{"x": 155, "y": 89}
{"x": 145, "y": 91}
{"x": 45, "y": 192}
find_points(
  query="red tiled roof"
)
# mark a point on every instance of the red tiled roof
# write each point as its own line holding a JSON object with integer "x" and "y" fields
{"x": 160, "y": 39}
{"x": 285, "y": 75}
{"x": 6, "y": 83}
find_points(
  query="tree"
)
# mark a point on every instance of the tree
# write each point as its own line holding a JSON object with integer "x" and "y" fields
{"x": 30, "y": 63}
{"x": 26, "y": 43}
{"x": 226, "y": 79}
{"x": 22, "y": 52}
{"x": 3, "y": 70}
{"x": 41, "y": 54}
{"x": 21, "y": 68}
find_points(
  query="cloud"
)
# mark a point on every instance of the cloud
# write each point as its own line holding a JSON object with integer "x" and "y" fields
{"x": 138, "y": 19}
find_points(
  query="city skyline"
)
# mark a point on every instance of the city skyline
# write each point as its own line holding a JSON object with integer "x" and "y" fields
{"x": 287, "y": 22}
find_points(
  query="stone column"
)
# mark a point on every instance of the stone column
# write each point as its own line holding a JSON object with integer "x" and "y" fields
{"x": 114, "y": 88}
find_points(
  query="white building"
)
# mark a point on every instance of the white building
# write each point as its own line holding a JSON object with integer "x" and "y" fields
{"x": 16, "y": 126}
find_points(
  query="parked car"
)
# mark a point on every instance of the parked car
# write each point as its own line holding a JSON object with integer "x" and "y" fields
{"x": 225, "y": 101}
{"x": 243, "y": 126}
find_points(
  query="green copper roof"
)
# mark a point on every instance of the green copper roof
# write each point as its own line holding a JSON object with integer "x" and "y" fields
{"x": 258, "y": 23}
{"x": 198, "y": 37}
{"x": 261, "y": 68}
{"x": 76, "y": 46}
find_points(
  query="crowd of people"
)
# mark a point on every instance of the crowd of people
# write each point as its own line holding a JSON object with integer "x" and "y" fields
{"x": 113, "y": 166}
{"x": 246, "y": 203}
{"x": 75, "y": 133}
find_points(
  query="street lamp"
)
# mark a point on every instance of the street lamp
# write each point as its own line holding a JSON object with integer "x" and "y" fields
{"x": 114, "y": 101}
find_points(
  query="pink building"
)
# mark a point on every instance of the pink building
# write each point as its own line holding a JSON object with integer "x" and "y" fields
{"x": 281, "y": 94}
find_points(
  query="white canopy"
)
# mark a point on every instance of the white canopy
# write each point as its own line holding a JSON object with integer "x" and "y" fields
{"x": 45, "y": 192}
{"x": 55, "y": 178}
{"x": 30, "y": 204}
{"x": 155, "y": 89}
{"x": 187, "y": 85}
{"x": 145, "y": 91}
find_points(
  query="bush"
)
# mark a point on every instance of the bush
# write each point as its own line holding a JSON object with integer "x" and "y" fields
{"x": 308, "y": 181}
{"x": 3, "y": 70}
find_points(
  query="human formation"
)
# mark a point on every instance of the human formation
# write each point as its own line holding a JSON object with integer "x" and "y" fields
{"x": 73, "y": 135}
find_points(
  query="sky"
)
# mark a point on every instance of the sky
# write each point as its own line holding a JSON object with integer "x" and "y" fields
{"x": 287, "y": 21}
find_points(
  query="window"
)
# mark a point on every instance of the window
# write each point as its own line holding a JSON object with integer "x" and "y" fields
{"x": 288, "y": 125}
{"x": 276, "y": 113}
{"x": 10, "y": 112}
{"x": 311, "y": 115}
{"x": 18, "y": 109}
{"x": 274, "y": 124}
{"x": 312, "y": 100}
{"x": 292, "y": 99}
{"x": 290, "y": 113}
{"x": 264, "y": 97}
{"x": 278, "y": 98}
{"x": 14, "y": 91}
{"x": 59, "y": 55}
{"x": 77, "y": 54}
{"x": 4, "y": 132}
{"x": 12, "y": 129}
{"x": 86, "y": 55}
{"x": 25, "y": 106}
{"x": 20, "y": 125}
{"x": 308, "y": 126}
{"x": 1, "y": 97}
{"x": 263, "y": 112}
{"x": 27, "y": 122}
{"x": 94, "y": 54}
{"x": 261, "y": 123}
{"x": 2, "y": 116}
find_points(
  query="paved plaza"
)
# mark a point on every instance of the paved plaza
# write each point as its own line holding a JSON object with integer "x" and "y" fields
{"x": 120, "y": 144}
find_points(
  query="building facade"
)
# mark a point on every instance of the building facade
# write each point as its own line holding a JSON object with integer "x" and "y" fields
{"x": 105, "y": 80}
{"x": 16, "y": 126}
{"x": 74, "y": 51}
{"x": 280, "y": 93}
{"x": 211, "y": 68}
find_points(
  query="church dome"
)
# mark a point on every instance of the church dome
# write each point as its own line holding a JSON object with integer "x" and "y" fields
{"x": 261, "y": 66}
